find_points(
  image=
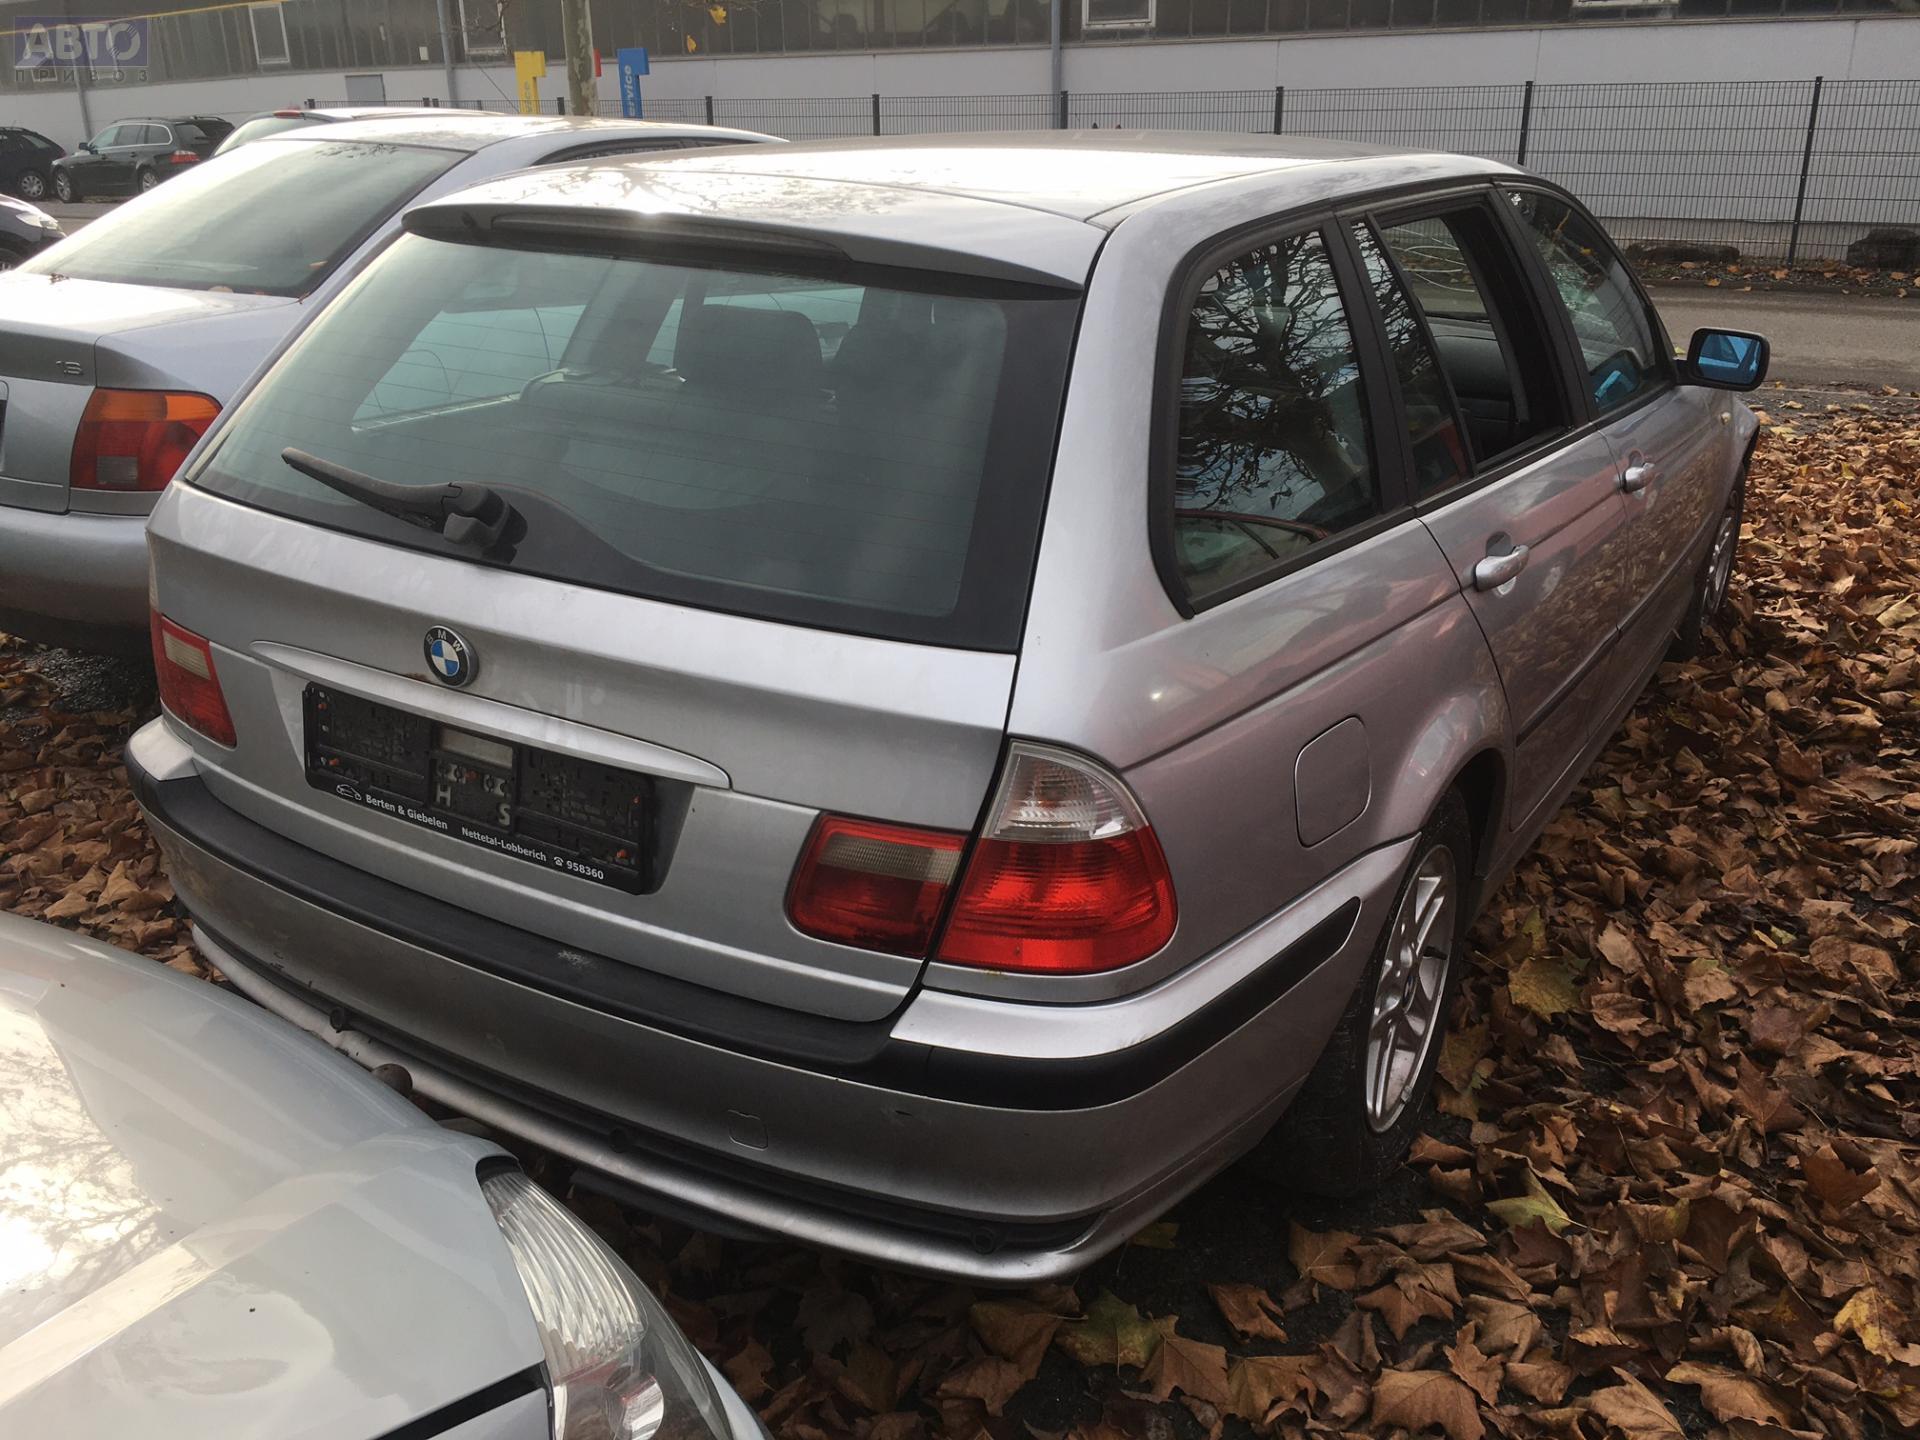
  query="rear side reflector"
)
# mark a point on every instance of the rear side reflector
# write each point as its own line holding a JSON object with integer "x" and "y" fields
{"x": 136, "y": 439}
{"x": 189, "y": 685}
{"x": 1066, "y": 878}
{"x": 876, "y": 886}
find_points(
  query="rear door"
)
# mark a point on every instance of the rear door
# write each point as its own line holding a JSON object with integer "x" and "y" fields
{"x": 1670, "y": 443}
{"x": 1525, "y": 508}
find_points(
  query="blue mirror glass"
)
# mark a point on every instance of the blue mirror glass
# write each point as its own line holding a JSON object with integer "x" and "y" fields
{"x": 1730, "y": 359}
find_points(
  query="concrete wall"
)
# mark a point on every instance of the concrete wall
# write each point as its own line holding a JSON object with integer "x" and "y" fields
{"x": 1840, "y": 49}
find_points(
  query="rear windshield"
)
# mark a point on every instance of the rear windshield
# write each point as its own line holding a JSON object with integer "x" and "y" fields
{"x": 200, "y": 132}
{"x": 855, "y": 450}
{"x": 265, "y": 220}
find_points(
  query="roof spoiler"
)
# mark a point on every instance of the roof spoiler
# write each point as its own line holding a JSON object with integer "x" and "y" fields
{"x": 684, "y": 238}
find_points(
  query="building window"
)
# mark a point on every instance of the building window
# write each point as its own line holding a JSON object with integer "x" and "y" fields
{"x": 1116, "y": 14}
{"x": 269, "y": 34}
{"x": 484, "y": 29}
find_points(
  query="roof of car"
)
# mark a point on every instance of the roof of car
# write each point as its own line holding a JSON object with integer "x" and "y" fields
{"x": 466, "y": 131}
{"x": 1075, "y": 173}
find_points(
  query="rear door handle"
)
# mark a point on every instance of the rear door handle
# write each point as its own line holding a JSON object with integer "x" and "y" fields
{"x": 1638, "y": 475}
{"x": 1496, "y": 570}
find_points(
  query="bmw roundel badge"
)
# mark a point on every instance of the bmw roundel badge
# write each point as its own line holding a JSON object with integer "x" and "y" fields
{"x": 449, "y": 657}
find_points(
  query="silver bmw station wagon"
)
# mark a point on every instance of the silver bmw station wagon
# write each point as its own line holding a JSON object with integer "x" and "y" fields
{"x": 925, "y": 696}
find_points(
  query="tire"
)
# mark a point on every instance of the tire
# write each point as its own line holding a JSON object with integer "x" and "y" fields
{"x": 1334, "y": 1141}
{"x": 147, "y": 180}
{"x": 30, "y": 185}
{"x": 1716, "y": 572}
{"x": 64, "y": 189}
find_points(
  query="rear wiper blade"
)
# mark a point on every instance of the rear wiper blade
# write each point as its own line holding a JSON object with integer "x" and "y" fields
{"x": 474, "y": 515}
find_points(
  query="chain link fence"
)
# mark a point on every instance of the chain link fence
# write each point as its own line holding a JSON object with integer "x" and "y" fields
{"x": 1765, "y": 171}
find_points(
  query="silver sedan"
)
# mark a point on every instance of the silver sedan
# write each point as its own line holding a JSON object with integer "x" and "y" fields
{"x": 212, "y": 1225}
{"x": 119, "y": 346}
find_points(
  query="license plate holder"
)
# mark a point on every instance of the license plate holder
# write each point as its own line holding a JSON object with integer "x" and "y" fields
{"x": 592, "y": 821}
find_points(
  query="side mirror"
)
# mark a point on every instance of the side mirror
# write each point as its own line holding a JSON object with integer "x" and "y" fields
{"x": 87, "y": 146}
{"x": 1727, "y": 359}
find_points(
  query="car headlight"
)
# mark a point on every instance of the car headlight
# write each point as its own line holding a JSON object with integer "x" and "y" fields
{"x": 620, "y": 1368}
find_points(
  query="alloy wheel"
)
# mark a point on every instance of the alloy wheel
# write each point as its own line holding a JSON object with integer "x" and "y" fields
{"x": 1411, "y": 988}
{"x": 64, "y": 188}
{"x": 1720, "y": 564}
{"x": 148, "y": 180}
{"x": 31, "y": 185}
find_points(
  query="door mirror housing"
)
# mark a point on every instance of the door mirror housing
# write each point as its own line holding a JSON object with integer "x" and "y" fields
{"x": 87, "y": 147}
{"x": 1727, "y": 359}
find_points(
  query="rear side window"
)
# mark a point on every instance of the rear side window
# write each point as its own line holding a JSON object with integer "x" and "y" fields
{"x": 1273, "y": 454}
{"x": 856, "y": 451}
{"x": 265, "y": 220}
{"x": 191, "y": 132}
{"x": 1492, "y": 350}
{"x": 1610, "y": 321}
{"x": 1439, "y": 447}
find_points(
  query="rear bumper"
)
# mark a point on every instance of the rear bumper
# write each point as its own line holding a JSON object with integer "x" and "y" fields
{"x": 74, "y": 579}
{"x": 998, "y": 1141}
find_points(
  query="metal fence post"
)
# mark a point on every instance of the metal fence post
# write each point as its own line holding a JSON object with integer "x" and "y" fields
{"x": 876, "y": 114}
{"x": 1806, "y": 165}
{"x": 1526, "y": 123}
{"x": 709, "y": 109}
{"x": 1060, "y": 121}
{"x": 1279, "y": 109}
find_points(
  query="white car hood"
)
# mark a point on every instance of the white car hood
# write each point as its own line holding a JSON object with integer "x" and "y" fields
{"x": 213, "y": 1225}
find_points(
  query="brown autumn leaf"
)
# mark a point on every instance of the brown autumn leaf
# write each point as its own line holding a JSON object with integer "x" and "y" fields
{"x": 747, "y": 1371}
{"x": 1834, "y": 1181}
{"x": 1016, "y": 1330}
{"x": 1426, "y": 1399}
{"x": 1544, "y": 1379}
{"x": 989, "y": 1379}
{"x": 1325, "y": 1259}
{"x": 1188, "y": 1367}
{"x": 1635, "y": 1411}
{"x": 1729, "y": 1395}
{"x": 1250, "y": 1310}
{"x": 1259, "y": 1384}
{"x": 1483, "y": 1373}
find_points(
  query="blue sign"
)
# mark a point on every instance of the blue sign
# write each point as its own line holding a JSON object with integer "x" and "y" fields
{"x": 633, "y": 64}
{"x": 62, "y": 42}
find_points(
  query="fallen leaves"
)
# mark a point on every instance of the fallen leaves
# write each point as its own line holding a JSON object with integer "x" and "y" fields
{"x": 1674, "y": 1185}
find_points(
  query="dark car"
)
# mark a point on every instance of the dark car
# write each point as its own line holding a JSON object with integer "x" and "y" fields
{"x": 26, "y": 162}
{"x": 24, "y": 230}
{"x": 134, "y": 155}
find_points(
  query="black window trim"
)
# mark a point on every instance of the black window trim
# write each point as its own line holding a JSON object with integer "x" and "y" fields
{"x": 1557, "y": 311}
{"x": 1379, "y": 412}
{"x": 1348, "y": 224}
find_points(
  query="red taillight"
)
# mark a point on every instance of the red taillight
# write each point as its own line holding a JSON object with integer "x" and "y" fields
{"x": 183, "y": 157}
{"x": 880, "y": 887}
{"x": 189, "y": 685}
{"x": 1066, "y": 878}
{"x": 136, "y": 439}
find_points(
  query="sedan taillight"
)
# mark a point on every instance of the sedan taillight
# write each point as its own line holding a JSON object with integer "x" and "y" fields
{"x": 136, "y": 439}
{"x": 189, "y": 685}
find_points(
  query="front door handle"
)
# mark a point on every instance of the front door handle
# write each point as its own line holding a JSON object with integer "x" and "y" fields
{"x": 1638, "y": 475}
{"x": 1496, "y": 570}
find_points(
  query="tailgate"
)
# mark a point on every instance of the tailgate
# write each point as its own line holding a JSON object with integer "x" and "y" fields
{"x": 747, "y": 729}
